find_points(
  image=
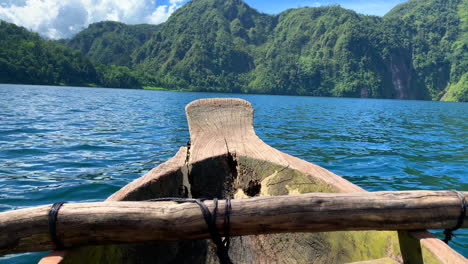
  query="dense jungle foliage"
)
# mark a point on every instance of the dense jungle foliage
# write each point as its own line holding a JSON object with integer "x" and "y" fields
{"x": 26, "y": 58}
{"x": 417, "y": 51}
{"x": 111, "y": 42}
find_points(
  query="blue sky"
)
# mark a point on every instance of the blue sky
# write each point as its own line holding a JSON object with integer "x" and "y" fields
{"x": 368, "y": 7}
{"x": 56, "y": 19}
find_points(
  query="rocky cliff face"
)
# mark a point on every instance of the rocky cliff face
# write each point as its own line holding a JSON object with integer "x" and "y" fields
{"x": 401, "y": 75}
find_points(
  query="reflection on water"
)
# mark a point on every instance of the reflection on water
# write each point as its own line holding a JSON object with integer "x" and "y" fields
{"x": 82, "y": 144}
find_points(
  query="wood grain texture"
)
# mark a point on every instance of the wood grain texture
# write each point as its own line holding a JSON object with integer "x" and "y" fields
{"x": 26, "y": 230}
{"x": 224, "y": 126}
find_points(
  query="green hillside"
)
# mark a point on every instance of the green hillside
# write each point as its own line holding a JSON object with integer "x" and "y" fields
{"x": 438, "y": 42}
{"x": 326, "y": 51}
{"x": 205, "y": 45}
{"x": 111, "y": 42}
{"x": 26, "y": 58}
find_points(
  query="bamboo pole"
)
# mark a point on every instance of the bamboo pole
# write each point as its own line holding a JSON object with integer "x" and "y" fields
{"x": 26, "y": 230}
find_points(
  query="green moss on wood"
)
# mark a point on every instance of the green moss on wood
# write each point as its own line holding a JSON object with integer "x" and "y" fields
{"x": 414, "y": 252}
{"x": 276, "y": 179}
{"x": 329, "y": 247}
{"x": 353, "y": 246}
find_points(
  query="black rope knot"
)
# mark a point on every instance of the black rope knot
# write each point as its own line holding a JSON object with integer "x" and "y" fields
{"x": 449, "y": 231}
{"x": 222, "y": 245}
{"x": 53, "y": 213}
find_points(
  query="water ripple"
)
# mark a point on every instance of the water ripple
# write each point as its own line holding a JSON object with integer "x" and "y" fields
{"x": 83, "y": 144}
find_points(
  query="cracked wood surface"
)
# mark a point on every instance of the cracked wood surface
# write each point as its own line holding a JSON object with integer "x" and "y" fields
{"x": 223, "y": 126}
{"x": 226, "y": 158}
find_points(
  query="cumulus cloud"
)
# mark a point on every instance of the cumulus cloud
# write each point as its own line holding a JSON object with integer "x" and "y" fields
{"x": 62, "y": 19}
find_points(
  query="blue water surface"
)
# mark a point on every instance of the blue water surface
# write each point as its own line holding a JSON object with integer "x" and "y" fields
{"x": 82, "y": 144}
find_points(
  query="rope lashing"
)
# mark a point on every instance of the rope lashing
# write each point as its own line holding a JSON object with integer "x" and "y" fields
{"x": 222, "y": 245}
{"x": 449, "y": 232}
{"x": 53, "y": 213}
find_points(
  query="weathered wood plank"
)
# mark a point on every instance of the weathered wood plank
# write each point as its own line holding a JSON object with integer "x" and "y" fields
{"x": 130, "y": 222}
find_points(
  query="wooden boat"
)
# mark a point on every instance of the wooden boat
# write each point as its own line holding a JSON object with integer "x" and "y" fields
{"x": 226, "y": 159}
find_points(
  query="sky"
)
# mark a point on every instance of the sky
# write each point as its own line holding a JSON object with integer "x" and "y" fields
{"x": 367, "y": 7}
{"x": 56, "y": 19}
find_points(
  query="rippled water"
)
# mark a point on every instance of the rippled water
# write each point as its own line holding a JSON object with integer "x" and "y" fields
{"x": 82, "y": 144}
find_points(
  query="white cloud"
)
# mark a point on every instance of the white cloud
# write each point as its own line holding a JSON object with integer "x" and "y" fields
{"x": 62, "y": 19}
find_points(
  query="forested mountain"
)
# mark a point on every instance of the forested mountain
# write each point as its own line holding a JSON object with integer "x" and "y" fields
{"x": 417, "y": 51}
{"x": 111, "y": 42}
{"x": 26, "y": 58}
{"x": 438, "y": 41}
{"x": 206, "y": 45}
{"x": 325, "y": 51}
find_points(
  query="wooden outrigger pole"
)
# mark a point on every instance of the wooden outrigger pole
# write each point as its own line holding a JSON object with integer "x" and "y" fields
{"x": 79, "y": 224}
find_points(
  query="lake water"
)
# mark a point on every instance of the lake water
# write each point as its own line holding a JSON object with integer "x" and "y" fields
{"x": 82, "y": 144}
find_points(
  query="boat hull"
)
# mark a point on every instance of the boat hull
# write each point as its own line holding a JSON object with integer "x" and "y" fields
{"x": 227, "y": 159}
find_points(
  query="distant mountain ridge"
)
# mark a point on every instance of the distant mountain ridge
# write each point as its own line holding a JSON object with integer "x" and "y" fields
{"x": 26, "y": 58}
{"x": 417, "y": 51}
{"x": 111, "y": 42}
